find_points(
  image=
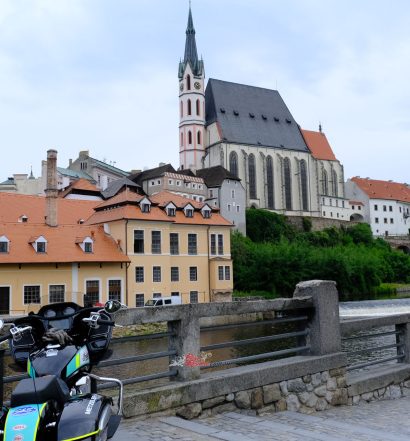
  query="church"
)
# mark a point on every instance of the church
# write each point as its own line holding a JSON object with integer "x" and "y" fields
{"x": 250, "y": 132}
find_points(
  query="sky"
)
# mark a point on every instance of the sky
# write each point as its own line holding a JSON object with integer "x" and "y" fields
{"x": 101, "y": 75}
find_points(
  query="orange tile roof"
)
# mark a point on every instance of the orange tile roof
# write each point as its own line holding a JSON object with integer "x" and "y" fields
{"x": 318, "y": 145}
{"x": 69, "y": 211}
{"x": 80, "y": 184}
{"x": 121, "y": 198}
{"x": 62, "y": 245}
{"x": 164, "y": 197}
{"x": 356, "y": 203}
{"x": 376, "y": 189}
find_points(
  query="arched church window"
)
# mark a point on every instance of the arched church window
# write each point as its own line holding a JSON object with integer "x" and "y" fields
{"x": 325, "y": 188}
{"x": 233, "y": 163}
{"x": 182, "y": 109}
{"x": 334, "y": 184}
{"x": 222, "y": 157}
{"x": 269, "y": 182}
{"x": 189, "y": 137}
{"x": 182, "y": 139}
{"x": 303, "y": 185}
{"x": 198, "y": 110}
{"x": 198, "y": 137}
{"x": 288, "y": 183}
{"x": 188, "y": 82}
{"x": 252, "y": 176}
{"x": 189, "y": 107}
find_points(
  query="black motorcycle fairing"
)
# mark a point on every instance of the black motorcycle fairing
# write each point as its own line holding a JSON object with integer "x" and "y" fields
{"x": 85, "y": 411}
{"x": 52, "y": 361}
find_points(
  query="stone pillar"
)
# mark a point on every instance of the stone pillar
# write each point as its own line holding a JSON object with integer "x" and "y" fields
{"x": 324, "y": 326}
{"x": 403, "y": 338}
{"x": 186, "y": 340}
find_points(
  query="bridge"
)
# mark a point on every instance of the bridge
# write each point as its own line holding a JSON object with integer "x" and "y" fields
{"x": 400, "y": 242}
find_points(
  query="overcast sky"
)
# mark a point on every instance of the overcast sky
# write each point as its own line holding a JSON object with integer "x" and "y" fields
{"x": 101, "y": 75}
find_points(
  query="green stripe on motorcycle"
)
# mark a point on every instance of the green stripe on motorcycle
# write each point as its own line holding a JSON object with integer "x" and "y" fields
{"x": 23, "y": 421}
{"x": 82, "y": 436}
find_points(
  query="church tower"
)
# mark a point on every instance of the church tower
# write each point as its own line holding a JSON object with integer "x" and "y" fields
{"x": 191, "y": 76}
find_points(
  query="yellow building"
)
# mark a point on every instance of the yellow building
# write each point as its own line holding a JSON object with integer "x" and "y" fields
{"x": 176, "y": 246}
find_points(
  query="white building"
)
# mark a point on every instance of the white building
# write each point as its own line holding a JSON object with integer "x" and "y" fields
{"x": 386, "y": 205}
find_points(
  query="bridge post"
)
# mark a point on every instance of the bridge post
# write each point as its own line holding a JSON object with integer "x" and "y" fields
{"x": 324, "y": 325}
{"x": 403, "y": 338}
{"x": 185, "y": 339}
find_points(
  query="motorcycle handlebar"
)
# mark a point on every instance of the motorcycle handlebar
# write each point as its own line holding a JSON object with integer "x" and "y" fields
{"x": 106, "y": 322}
{"x": 5, "y": 337}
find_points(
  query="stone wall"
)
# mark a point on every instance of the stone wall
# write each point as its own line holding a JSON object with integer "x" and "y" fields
{"x": 318, "y": 223}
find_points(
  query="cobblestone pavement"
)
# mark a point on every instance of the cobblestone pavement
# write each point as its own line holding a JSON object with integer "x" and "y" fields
{"x": 377, "y": 421}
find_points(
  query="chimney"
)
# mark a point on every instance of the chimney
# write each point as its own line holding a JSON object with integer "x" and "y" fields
{"x": 51, "y": 189}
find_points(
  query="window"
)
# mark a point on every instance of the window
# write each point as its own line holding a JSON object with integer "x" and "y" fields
{"x": 343, "y": 204}
{"x": 220, "y": 272}
{"x": 181, "y": 109}
{"x": 229, "y": 207}
{"x": 384, "y": 208}
{"x": 114, "y": 290}
{"x": 138, "y": 241}
{"x": 237, "y": 208}
{"x": 198, "y": 107}
{"x": 193, "y": 296}
{"x": 189, "y": 137}
{"x": 92, "y": 291}
{"x": 182, "y": 139}
{"x": 189, "y": 107}
{"x": 56, "y": 293}
{"x": 139, "y": 300}
{"x": 188, "y": 82}
{"x": 220, "y": 244}
{"x": 174, "y": 294}
{"x": 391, "y": 220}
{"x": 304, "y": 185}
{"x": 156, "y": 295}
{"x": 171, "y": 211}
{"x": 198, "y": 137}
{"x": 189, "y": 212}
{"x": 174, "y": 274}
{"x": 227, "y": 273}
{"x": 376, "y": 208}
{"x": 252, "y": 176}
{"x": 174, "y": 243}
{"x": 41, "y": 246}
{"x": 192, "y": 244}
{"x": 233, "y": 163}
{"x": 385, "y": 220}
{"x": 31, "y": 294}
{"x": 193, "y": 273}
{"x": 156, "y": 242}
{"x": 359, "y": 207}
{"x": 88, "y": 247}
{"x": 211, "y": 193}
{"x": 390, "y": 208}
{"x": 335, "y": 184}
{"x": 213, "y": 244}
{"x": 178, "y": 183}
{"x": 287, "y": 183}
{"x": 4, "y": 245}
{"x": 233, "y": 194}
{"x": 331, "y": 203}
{"x": 376, "y": 220}
{"x": 206, "y": 213}
{"x": 156, "y": 274}
{"x": 325, "y": 187}
{"x": 145, "y": 208}
{"x": 269, "y": 182}
{"x": 139, "y": 274}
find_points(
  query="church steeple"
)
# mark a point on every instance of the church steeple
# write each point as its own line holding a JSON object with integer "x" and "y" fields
{"x": 191, "y": 53}
{"x": 191, "y": 77}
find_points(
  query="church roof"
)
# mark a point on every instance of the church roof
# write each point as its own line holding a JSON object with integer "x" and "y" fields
{"x": 318, "y": 145}
{"x": 214, "y": 176}
{"x": 252, "y": 115}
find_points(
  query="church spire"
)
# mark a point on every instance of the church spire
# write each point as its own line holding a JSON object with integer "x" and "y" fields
{"x": 191, "y": 53}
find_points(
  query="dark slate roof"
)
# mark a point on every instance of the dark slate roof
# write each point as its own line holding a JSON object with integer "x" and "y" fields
{"x": 138, "y": 178}
{"x": 214, "y": 176}
{"x": 186, "y": 172}
{"x": 247, "y": 114}
{"x": 9, "y": 181}
{"x": 115, "y": 187}
{"x": 75, "y": 174}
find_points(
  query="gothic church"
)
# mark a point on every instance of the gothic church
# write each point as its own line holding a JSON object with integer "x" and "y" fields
{"x": 251, "y": 132}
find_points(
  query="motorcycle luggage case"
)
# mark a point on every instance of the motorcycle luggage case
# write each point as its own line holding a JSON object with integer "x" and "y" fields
{"x": 80, "y": 417}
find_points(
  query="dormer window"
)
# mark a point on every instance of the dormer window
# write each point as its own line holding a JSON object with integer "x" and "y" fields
{"x": 86, "y": 244}
{"x": 171, "y": 211}
{"x": 23, "y": 218}
{"x": 4, "y": 244}
{"x": 189, "y": 211}
{"x": 206, "y": 212}
{"x": 145, "y": 205}
{"x": 39, "y": 244}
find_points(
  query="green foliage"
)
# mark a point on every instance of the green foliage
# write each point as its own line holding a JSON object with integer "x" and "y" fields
{"x": 275, "y": 257}
{"x": 307, "y": 224}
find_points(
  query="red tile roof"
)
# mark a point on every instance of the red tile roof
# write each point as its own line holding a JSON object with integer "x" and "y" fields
{"x": 69, "y": 211}
{"x": 318, "y": 145}
{"x": 356, "y": 203}
{"x": 80, "y": 184}
{"x": 164, "y": 197}
{"x": 62, "y": 244}
{"x": 376, "y": 189}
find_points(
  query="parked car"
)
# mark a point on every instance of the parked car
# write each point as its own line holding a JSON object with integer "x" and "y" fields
{"x": 164, "y": 301}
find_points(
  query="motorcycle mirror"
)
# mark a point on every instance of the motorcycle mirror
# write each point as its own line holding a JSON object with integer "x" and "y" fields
{"x": 1, "y": 324}
{"x": 112, "y": 306}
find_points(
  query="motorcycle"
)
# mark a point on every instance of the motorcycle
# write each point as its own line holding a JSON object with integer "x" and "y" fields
{"x": 59, "y": 401}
